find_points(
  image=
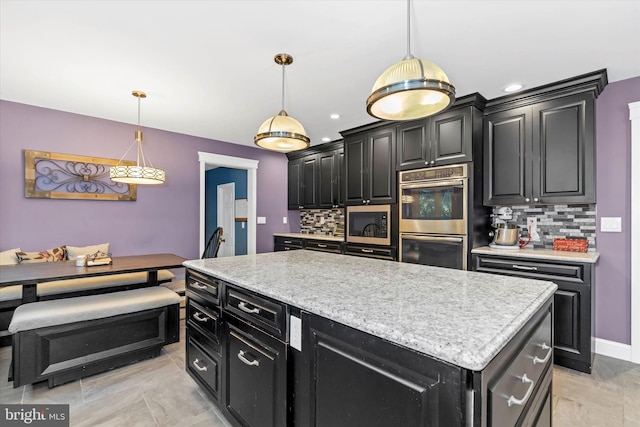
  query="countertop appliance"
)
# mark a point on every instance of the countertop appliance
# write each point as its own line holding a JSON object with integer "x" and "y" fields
{"x": 505, "y": 235}
{"x": 439, "y": 213}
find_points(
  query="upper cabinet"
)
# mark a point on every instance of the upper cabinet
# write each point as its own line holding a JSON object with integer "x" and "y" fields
{"x": 446, "y": 138}
{"x": 315, "y": 177}
{"x": 539, "y": 145}
{"x": 370, "y": 167}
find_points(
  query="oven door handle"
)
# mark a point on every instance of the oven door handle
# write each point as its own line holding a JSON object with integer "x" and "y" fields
{"x": 433, "y": 238}
{"x": 425, "y": 184}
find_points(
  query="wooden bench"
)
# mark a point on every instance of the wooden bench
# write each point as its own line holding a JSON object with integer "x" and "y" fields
{"x": 66, "y": 339}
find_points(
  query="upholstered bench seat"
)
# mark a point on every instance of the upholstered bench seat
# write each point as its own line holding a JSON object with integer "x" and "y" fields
{"x": 83, "y": 284}
{"x": 65, "y": 339}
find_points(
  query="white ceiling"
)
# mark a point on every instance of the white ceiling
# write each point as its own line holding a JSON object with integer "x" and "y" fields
{"x": 208, "y": 69}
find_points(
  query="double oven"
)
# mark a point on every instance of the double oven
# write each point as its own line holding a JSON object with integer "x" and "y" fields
{"x": 433, "y": 219}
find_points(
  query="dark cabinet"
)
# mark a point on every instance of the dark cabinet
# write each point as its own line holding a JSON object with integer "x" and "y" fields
{"x": 255, "y": 377}
{"x": 369, "y": 173}
{"x": 330, "y": 166}
{"x": 574, "y": 302}
{"x": 302, "y": 181}
{"x": 539, "y": 145}
{"x": 359, "y": 380}
{"x": 314, "y": 178}
{"x": 443, "y": 139}
{"x": 281, "y": 243}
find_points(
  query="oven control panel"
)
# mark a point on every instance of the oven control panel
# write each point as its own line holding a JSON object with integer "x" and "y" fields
{"x": 444, "y": 172}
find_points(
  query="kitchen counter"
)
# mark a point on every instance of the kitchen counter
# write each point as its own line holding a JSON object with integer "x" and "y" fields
{"x": 549, "y": 254}
{"x": 461, "y": 317}
{"x": 311, "y": 236}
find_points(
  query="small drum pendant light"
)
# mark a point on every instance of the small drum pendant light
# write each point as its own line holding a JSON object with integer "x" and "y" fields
{"x": 282, "y": 132}
{"x": 410, "y": 89}
{"x": 140, "y": 173}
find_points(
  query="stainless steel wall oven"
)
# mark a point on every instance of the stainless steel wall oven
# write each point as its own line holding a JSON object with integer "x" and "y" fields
{"x": 434, "y": 216}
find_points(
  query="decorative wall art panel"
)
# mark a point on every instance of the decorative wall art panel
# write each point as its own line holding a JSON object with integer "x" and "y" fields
{"x": 67, "y": 176}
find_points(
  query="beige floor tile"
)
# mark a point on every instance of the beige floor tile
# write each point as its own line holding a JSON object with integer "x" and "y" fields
{"x": 69, "y": 393}
{"x": 123, "y": 410}
{"x": 208, "y": 419}
{"x": 588, "y": 393}
{"x": 569, "y": 413}
{"x": 11, "y": 395}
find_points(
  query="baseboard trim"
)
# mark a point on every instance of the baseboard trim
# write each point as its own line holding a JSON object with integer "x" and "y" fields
{"x": 613, "y": 349}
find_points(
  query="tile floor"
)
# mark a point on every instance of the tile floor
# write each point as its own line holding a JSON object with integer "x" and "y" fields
{"x": 158, "y": 392}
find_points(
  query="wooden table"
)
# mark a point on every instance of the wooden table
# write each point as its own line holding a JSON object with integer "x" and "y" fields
{"x": 29, "y": 275}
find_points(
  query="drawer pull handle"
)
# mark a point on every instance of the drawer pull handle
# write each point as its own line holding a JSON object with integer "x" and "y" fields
{"x": 201, "y": 318}
{"x": 368, "y": 251}
{"x": 525, "y": 380}
{"x": 198, "y": 285}
{"x": 243, "y": 306}
{"x": 287, "y": 241}
{"x": 320, "y": 245}
{"x": 544, "y": 360}
{"x": 198, "y": 367}
{"x": 524, "y": 267}
{"x": 246, "y": 361}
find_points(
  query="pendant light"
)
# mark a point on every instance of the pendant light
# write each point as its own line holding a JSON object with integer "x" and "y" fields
{"x": 282, "y": 132}
{"x": 138, "y": 174}
{"x": 410, "y": 89}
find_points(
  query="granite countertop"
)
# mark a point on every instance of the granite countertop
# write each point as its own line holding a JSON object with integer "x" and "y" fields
{"x": 311, "y": 236}
{"x": 550, "y": 254}
{"x": 461, "y": 317}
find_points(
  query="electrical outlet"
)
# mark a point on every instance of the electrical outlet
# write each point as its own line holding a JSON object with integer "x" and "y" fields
{"x": 262, "y": 220}
{"x": 284, "y": 219}
{"x": 532, "y": 224}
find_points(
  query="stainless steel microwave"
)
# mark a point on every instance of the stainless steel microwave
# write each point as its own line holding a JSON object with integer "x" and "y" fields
{"x": 370, "y": 224}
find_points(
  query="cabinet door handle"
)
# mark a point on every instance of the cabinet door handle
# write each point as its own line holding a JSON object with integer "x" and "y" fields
{"x": 543, "y": 360}
{"x": 535, "y": 199}
{"x": 433, "y": 162}
{"x": 287, "y": 241}
{"x": 525, "y": 380}
{"x": 320, "y": 245}
{"x": 364, "y": 201}
{"x": 527, "y": 200}
{"x": 524, "y": 267}
{"x": 199, "y": 317}
{"x": 246, "y": 361}
{"x": 198, "y": 285}
{"x": 287, "y": 249}
{"x": 198, "y": 367}
{"x": 243, "y": 306}
{"x": 368, "y": 251}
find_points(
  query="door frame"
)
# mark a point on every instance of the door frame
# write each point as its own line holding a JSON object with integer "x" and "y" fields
{"x": 634, "y": 117}
{"x": 210, "y": 161}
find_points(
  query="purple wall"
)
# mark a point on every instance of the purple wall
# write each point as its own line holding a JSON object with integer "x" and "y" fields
{"x": 613, "y": 270}
{"x": 165, "y": 218}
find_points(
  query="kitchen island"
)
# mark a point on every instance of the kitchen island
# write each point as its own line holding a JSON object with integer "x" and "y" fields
{"x": 307, "y": 338}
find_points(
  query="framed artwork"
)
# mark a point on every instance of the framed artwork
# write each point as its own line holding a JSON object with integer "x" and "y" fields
{"x": 67, "y": 176}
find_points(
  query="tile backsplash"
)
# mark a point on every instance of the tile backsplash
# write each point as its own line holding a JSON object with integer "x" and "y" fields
{"x": 557, "y": 221}
{"x": 322, "y": 221}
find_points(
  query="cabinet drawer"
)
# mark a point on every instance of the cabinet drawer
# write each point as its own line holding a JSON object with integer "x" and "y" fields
{"x": 261, "y": 312}
{"x": 510, "y": 390}
{"x": 288, "y": 242}
{"x": 531, "y": 269}
{"x": 380, "y": 252}
{"x": 324, "y": 246}
{"x": 203, "y": 366}
{"x": 205, "y": 286}
{"x": 203, "y": 318}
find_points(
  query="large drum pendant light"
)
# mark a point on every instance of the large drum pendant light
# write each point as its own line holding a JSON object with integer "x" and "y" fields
{"x": 410, "y": 89}
{"x": 140, "y": 173}
{"x": 282, "y": 132}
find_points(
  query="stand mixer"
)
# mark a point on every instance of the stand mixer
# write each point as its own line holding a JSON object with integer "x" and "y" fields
{"x": 505, "y": 236}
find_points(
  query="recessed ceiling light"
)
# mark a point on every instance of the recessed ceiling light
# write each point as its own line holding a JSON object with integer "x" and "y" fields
{"x": 335, "y": 116}
{"x": 326, "y": 139}
{"x": 513, "y": 87}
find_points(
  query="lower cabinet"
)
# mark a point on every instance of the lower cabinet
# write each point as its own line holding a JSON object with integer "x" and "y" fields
{"x": 287, "y": 243}
{"x": 574, "y": 302}
{"x": 255, "y": 372}
{"x": 371, "y": 251}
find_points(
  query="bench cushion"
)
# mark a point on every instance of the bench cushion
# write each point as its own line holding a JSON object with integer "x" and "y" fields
{"x": 9, "y": 293}
{"x": 69, "y": 310}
